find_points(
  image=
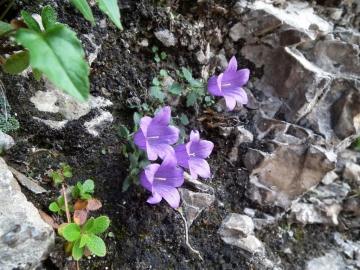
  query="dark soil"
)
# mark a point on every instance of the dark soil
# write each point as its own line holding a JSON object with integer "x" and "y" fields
{"x": 146, "y": 236}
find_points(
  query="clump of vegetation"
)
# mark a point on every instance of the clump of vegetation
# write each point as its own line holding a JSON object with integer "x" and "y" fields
{"x": 60, "y": 174}
{"x": 158, "y": 57}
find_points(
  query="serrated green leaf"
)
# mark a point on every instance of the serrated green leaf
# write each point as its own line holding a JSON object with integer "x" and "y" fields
{"x": 133, "y": 161}
{"x": 191, "y": 99}
{"x": 144, "y": 163}
{"x": 88, "y": 185}
{"x": 37, "y": 74}
{"x": 96, "y": 245}
{"x": 67, "y": 174}
{"x": 88, "y": 225}
{"x": 187, "y": 74}
{"x": 163, "y": 73}
{"x": 75, "y": 192}
{"x": 54, "y": 207}
{"x": 176, "y": 88}
{"x": 71, "y": 232}
{"x": 85, "y": 196}
{"x": 77, "y": 251}
{"x": 136, "y": 118}
{"x": 17, "y": 62}
{"x": 66, "y": 168}
{"x": 48, "y": 17}
{"x": 100, "y": 225}
{"x": 59, "y": 55}
{"x": 84, "y": 8}
{"x": 30, "y": 21}
{"x": 127, "y": 183}
{"x": 61, "y": 201}
{"x": 111, "y": 8}
{"x": 184, "y": 120}
{"x": 156, "y": 93}
{"x": 5, "y": 27}
{"x": 123, "y": 131}
{"x": 83, "y": 240}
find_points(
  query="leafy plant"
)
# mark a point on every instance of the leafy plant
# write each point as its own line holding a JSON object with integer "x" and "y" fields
{"x": 158, "y": 83}
{"x": 81, "y": 237}
{"x": 59, "y": 175}
{"x": 82, "y": 190}
{"x": 157, "y": 57}
{"x": 59, "y": 206}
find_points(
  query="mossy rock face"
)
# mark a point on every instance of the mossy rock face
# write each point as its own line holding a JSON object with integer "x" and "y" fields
{"x": 7, "y": 121}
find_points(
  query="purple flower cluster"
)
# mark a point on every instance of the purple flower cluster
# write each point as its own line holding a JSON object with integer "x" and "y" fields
{"x": 228, "y": 85}
{"x": 155, "y": 136}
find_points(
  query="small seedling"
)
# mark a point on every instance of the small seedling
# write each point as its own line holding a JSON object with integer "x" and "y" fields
{"x": 158, "y": 84}
{"x": 82, "y": 190}
{"x": 81, "y": 237}
{"x": 59, "y": 175}
{"x": 59, "y": 206}
{"x": 157, "y": 57}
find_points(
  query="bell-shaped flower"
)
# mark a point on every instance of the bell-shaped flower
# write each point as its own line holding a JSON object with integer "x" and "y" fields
{"x": 162, "y": 180}
{"x": 155, "y": 136}
{"x": 192, "y": 155}
{"x": 228, "y": 85}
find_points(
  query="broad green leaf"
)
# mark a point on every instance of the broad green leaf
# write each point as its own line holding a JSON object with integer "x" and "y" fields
{"x": 111, "y": 8}
{"x": 83, "y": 240}
{"x": 184, "y": 120}
{"x": 48, "y": 17}
{"x": 187, "y": 74}
{"x": 84, "y": 8}
{"x": 176, "y": 88}
{"x": 67, "y": 168}
{"x": 17, "y": 62}
{"x": 163, "y": 73}
{"x": 156, "y": 93}
{"x": 100, "y": 225}
{"x": 54, "y": 207}
{"x": 136, "y": 118}
{"x": 88, "y": 225}
{"x": 163, "y": 55}
{"x": 85, "y": 196}
{"x": 145, "y": 107}
{"x": 61, "y": 201}
{"x": 58, "y": 54}
{"x": 30, "y": 21}
{"x": 77, "y": 251}
{"x": 154, "y": 49}
{"x": 127, "y": 183}
{"x": 88, "y": 185}
{"x": 191, "y": 99}
{"x": 37, "y": 74}
{"x": 123, "y": 131}
{"x": 75, "y": 192}
{"x": 67, "y": 174}
{"x": 144, "y": 163}
{"x": 133, "y": 161}
{"x": 155, "y": 81}
{"x": 4, "y": 27}
{"x": 96, "y": 245}
{"x": 71, "y": 232}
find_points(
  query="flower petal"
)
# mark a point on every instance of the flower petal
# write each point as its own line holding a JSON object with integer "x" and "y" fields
{"x": 230, "y": 102}
{"x": 199, "y": 166}
{"x": 238, "y": 94}
{"x": 154, "y": 198}
{"x": 161, "y": 150}
{"x": 213, "y": 87}
{"x": 162, "y": 118}
{"x": 174, "y": 177}
{"x": 181, "y": 155}
{"x": 140, "y": 140}
{"x": 202, "y": 149}
{"x": 147, "y": 176}
{"x": 170, "y": 194}
{"x": 144, "y": 124}
{"x": 194, "y": 136}
{"x": 162, "y": 135}
{"x": 238, "y": 78}
{"x": 232, "y": 67}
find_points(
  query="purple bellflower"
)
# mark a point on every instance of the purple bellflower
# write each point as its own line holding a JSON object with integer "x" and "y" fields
{"x": 192, "y": 155}
{"x": 228, "y": 85}
{"x": 155, "y": 136}
{"x": 162, "y": 180}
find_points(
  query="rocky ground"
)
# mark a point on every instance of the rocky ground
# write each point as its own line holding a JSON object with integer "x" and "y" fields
{"x": 259, "y": 209}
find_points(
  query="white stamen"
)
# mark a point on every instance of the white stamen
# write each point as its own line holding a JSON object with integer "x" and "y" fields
{"x": 159, "y": 178}
{"x": 192, "y": 155}
{"x": 226, "y": 84}
{"x": 153, "y": 137}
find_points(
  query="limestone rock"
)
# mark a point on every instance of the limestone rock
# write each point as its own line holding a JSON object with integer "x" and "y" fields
{"x": 6, "y": 141}
{"x": 331, "y": 260}
{"x": 25, "y": 238}
{"x": 351, "y": 171}
{"x": 238, "y": 230}
{"x": 166, "y": 37}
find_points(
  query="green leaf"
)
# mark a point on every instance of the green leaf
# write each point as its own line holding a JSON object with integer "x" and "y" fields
{"x": 71, "y": 232}
{"x": 96, "y": 245}
{"x": 4, "y": 27}
{"x": 127, "y": 183}
{"x": 156, "y": 93}
{"x": 59, "y": 55}
{"x": 17, "y": 62}
{"x": 37, "y": 74}
{"x": 163, "y": 73}
{"x": 157, "y": 58}
{"x": 100, "y": 225}
{"x": 103, "y": 151}
{"x": 188, "y": 76}
{"x": 136, "y": 118}
{"x": 88, "y": 225}
{"x": 111, "y": 8}
{"x": 154, "y": 49}
{"x": 84, "y": 8}
{"x": 30, "y": 21}
{"x": 133, "y": 161}
{"x": 144, "y": 163}
{"x": 67, "y": 174}
{"x": 83, "y": 240}
{"x": 123, "y": 131}
{"x": 176, "y": 88}
{"x": 77, "y": 251}
{"x": 48, "y": 17}
{"x": 54, "y": 207}
{"x": 155, "y": 81}
{"x": 61, "y": 201}
{"x": 88, "y": 185}
{"x": 191, "y": 99}
{"x": 184, "y": 120}
{"x": 66, "y": 168}
{"x": 145, "y": 107}
{"x": 163, "y": 55}
{"x": 75, "y": 192}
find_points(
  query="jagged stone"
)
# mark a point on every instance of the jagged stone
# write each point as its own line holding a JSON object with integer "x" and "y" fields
{"x": 25, "y": 239}
{"x": 331, "y": 260}
{"x": 351, "y": 171}
{"x": 166, "y": 37}
{"x": 329, "y": 178}
{"x": 287, "y": 173}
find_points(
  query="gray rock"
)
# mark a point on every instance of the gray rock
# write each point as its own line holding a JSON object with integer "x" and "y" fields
{"x": 331, "y": 260}
{"x": 351, "y": 171}
{"x": 238, "y": 230}
{"x": 329, "y": 178}
{"x": 166, "y": 37}
{"x": 194, "y": 203}
{"x": 29, "y": 184}
{"x": 99, "y": 123}
{"x": 25, "y": 238}
{"x": 6, "y": 141}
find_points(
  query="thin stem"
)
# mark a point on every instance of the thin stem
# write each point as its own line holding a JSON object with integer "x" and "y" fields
{"x": 66, "y": 204}
{"x": 36, "y": 5}
{"x": 7, "y": 9}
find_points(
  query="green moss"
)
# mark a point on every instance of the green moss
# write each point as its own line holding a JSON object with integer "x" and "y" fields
{"x": 7, "y": 122}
